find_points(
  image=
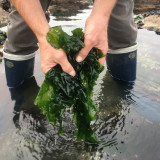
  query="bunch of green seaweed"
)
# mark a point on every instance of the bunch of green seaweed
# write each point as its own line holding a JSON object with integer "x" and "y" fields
{"x": 60, "y": 90}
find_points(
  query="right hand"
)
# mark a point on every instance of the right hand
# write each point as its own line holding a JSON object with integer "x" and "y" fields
{"x": 50, "y": 57}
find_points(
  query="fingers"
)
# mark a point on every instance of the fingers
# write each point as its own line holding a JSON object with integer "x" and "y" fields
{"x": 102, "y": 60}
{"x": 84, "y": 52}
{"x": 51, "y": 57}
{"x": 104, "y": 49}
{"x": 90, "y": 42}
{"x": 46, "y": 68}
{"x": 67, "y": 67}
{"x": 61, "y": 59}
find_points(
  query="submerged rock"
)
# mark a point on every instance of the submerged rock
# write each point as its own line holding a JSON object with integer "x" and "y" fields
{"x": 140, "y": 24}
{"x": 158, "y": 31}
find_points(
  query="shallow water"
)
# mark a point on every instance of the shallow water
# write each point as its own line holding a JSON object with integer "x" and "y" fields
{"x": 128, "y": 126}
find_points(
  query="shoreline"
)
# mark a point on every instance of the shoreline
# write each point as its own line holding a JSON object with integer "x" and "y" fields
{"x": 151, "y": 22}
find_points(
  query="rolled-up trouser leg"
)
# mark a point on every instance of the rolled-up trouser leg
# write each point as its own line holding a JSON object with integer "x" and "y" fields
{"x": 122, "y": 34}
{"x": 20, "y": 46}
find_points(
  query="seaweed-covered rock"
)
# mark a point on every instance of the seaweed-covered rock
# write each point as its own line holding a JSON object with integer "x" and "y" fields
{"x": 60, "y": 90}
{"x": 5, "y": 4}
{"x": 3, "y": 37}
{"x": 138, "y": 17}
{"x": 157, "y": 31}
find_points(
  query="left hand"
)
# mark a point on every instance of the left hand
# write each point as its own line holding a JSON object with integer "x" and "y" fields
{"x": 95, "y": 36}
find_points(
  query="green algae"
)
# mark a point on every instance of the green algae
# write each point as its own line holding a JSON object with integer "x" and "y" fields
{"x": 60, "y": 90}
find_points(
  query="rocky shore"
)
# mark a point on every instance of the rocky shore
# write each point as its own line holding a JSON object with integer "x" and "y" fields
{"x": 3, "y": 17}
{"x": 143, "y": 7}
{"x": 149, "y": 20}
{"x": 149, "y": 13}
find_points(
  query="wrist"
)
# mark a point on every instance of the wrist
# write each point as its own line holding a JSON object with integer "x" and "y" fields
{"x": 103, "y": 19}
{"x": 41, "y": 36}
{"x": 100, "y": 14}
{"x": 98, "y": 20}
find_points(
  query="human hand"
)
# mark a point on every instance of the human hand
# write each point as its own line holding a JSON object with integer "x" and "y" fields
{"x": 95, "y": 36}
{"x": 50, "y": 57}
{"x": 34, "y": 16}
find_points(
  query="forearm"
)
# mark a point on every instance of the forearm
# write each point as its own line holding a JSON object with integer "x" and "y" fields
{"x": 96, "y": 28}
{"x": 32, "y": 13}
{"x": 103, "y": 8}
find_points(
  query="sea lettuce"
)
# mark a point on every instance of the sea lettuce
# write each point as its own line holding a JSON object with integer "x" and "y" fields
{"x": 60, "y": 90}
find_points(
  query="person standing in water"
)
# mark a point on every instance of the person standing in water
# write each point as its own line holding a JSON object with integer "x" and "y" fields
{"x": 110, "y": 25}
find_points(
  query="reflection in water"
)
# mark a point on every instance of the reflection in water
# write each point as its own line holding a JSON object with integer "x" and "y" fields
{"x": 37, "y": 139}
{"x": 28, "y": 120}
{"x": 114, "y": 104}
{"x": 24, "y": 97}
